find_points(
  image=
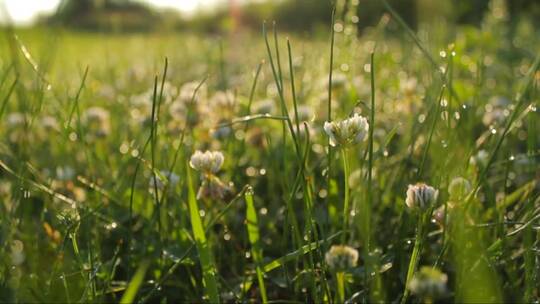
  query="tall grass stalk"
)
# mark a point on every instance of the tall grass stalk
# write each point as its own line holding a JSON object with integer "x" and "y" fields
{"x": 329, "y": 106}
{"x": 422, "y": 222}
{"x": 137, "y": 168}
{"x": 346, "y": 212}
{"x": 254, "y": 239}
{"x": 369, "y": 200}
{"x": 209, "y": 270}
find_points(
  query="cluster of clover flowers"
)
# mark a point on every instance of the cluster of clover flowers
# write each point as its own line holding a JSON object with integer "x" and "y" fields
{"x": 428, "y": 283}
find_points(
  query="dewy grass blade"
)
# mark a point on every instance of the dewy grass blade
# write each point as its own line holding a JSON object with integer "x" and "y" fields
{"x": 367, "y": 219}
{"x": 520, "y": 99}
{"x": 279, "y": 83}
{"x": 295, "y": 254}
{"x": 203, "y": 247}
{"x": 254, "y": 240}
{"x": 8, "y": 95}
{"x": 293, "y": 88}
{"x": 135, "y": 284}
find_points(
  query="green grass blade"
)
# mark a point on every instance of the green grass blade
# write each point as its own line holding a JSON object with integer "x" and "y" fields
{"x": 254, "y": 240}
{"x": 295, "y": 254}
{"x": 8, "y": 95}
{"x": 135, "y": 284}
{"x": 205, "y": 254}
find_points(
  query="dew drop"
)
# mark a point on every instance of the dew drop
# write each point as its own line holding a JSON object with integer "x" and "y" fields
{"x": 338, "y": 27}
{"x": 444, "y": 115}
{"x": 73, "y": 136}
{"x": 444, "y": 103}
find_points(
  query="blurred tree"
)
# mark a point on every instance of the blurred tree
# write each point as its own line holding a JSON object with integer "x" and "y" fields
{"x": 118, "y": 15}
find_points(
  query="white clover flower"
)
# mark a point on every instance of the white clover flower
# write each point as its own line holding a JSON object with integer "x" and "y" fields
{"x": 305, "y": 113}
{"x": 15, "y": 120}
{"x": 421, "y": 196}
{"x": 208, "y": 162}
{"x": 459, "y": 188}
{"x": 347, "y": 132}
{"x": 49, "y": 124}
{"x": 222, "y": 99}
{"x": 97, "y": 121}
{"x": 265, "y": 106}
{"x": 480, "y": 159}
{"x": 170, "y": 91}
{"x": 178, "y": 110}
{"x": 189, "y": 93}
{"x": 341, "y": 257}
{"x": 429, "y": 282}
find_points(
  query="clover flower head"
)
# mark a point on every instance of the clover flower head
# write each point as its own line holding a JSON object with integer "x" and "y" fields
{"x": 49, "y": 124}
{"x": 223, "y": 99}
{"x": 421, "y": 196}
{"x": 264, "y": 106}
{"x": 208, "y": 162}
{"x": 341, "y": 257}
{"x": 97, "y": 121}
{"x": 480, "y": 159}
{"x": 347, "y": 132}
{"x": 305, "y": 113}
{"x": 15, "y": 120}
{"x": 192, "y": 92}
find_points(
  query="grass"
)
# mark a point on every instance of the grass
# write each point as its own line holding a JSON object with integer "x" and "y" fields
{"x": 99, "y": 205}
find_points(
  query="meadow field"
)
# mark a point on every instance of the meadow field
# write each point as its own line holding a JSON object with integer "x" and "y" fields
{"x": 395, "y": 166}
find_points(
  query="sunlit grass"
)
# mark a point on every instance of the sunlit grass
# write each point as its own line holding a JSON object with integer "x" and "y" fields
{"x": 312, "y": 191}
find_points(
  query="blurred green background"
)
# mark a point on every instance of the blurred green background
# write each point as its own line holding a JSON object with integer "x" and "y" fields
{"x": 292, "y": 15}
